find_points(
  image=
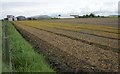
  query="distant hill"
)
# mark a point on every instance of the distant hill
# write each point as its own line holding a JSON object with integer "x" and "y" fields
{"x": 41, "y": 17}
{"x": 113, "y": 16}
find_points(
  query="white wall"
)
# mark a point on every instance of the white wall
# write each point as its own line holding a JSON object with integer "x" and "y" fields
{"x": 10, "y": 19}
{"x": 15, "y": 19}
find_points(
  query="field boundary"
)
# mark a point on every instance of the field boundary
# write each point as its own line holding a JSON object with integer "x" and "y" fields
{"x": 7, "y": 65}
{"x": 6, "y": 43}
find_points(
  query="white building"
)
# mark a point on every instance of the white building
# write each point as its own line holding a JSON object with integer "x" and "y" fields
{"x": 75, "y": 16}
{"x": 11, "y": 18}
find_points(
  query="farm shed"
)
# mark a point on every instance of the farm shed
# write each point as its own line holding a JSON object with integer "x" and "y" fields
{"x": 21, "y": 18}
{"x": 75, "y": 16}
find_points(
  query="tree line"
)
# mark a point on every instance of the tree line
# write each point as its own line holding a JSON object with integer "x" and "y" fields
{"x": 91, "y": 15}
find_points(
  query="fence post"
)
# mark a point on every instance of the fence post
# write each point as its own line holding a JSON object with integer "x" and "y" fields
{"x": 6, "y": 44}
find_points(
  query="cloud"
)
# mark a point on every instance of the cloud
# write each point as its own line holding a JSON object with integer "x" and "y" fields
{"x": 53, "y": 7}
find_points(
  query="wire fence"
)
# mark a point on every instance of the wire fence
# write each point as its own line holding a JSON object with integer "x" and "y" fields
{"x": 6, "y": 43}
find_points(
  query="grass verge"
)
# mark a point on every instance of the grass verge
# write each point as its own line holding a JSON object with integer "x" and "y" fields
{"x": 23, "y": 56}
{"x": 3, "y": 65}
{"x": 0, "y": 46}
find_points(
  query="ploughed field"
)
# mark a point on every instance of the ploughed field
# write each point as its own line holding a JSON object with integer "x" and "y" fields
{"x": 71, "y": 46}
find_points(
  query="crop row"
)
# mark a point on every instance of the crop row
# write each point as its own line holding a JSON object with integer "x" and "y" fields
{"x": 113, "y": 22}
{"x": 106, "y": 43}
{"x": 95, "y": 56}
{"x": 68, "y": 27}
{"x": 84, "y": 26}
{"x": 97, "y": 33}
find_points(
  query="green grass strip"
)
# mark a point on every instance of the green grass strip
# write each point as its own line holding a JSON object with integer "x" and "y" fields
{"x": 5, "y": 67}
{"x": 0, "y": 46}
{"x": 23, "y": 56}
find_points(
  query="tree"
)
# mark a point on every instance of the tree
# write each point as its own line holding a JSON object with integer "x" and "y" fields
{"x": 118, "y": 15}
{"x": 98, "y": 16}
{"x": 59, "y": 15}
{"x": 92, "y": 15}
{"x": 84, "y": 16}
{"x": 87, "y": 15}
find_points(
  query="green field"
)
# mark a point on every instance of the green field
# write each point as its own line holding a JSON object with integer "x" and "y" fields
{"x": 23, "y": 56}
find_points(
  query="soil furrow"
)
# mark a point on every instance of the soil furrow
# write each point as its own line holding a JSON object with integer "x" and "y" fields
{"x": 58, "y": 61}
{"x": 96, "y": 57}
{"x": 84, "y": 41}
{"x": 90, "y": 34}
{"x": 98, "y": 30}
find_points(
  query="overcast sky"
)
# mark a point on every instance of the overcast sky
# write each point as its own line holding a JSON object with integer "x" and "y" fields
{"x": 54, "y": 7}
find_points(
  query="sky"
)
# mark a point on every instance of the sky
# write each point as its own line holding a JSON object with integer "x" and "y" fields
{"x": 55, "y": 7}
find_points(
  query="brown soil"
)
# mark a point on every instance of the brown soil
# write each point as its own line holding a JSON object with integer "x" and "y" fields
{"x": 66, "y": 54}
